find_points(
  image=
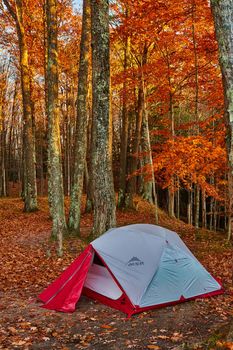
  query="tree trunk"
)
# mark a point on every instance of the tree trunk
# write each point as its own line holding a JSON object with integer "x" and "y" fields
{"x": 132, "y": 183}
{"x": 197, "y": 205}
{"x": 55, "y": 191}
{"x": 178, "y": 199}
{"x": 203, "y": 209}
{"x": 171, "y": 201}
{"x": 3, "y": 134}
{"x": 190, "y": 206}
{"x": 133, "y": 159}
{"x": 82, "y": 122}
{"x": 171, "y": 189}
{"x": 148, "y": 184}
{"x": 124, "y": 133}
{"x": 195, "y": 52}
{"x": 89, "y": 203}
{"x": 30, "y": 188}
{"x": 88, "y": 177}
{"x": 223, "y": 18}
{"x": 102, "y": 181}
{"x": 215, "y": 215}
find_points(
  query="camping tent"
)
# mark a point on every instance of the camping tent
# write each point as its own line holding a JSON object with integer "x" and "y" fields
{"x": 132, "y": 268}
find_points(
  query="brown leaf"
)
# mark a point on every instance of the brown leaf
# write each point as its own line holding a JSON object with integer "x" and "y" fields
{"x": 12, "y": 330}
{"x": 162, "y": 337}
{"x": 106, "y": 326}
{"x": 18, "y": 343}
{"x": 225, "y": 345}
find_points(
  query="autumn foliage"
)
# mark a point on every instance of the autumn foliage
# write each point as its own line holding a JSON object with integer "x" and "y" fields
{"x": 168, "y": 151}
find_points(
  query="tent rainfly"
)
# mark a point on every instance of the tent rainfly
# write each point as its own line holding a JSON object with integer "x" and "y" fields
{"x": 132, "y": 268}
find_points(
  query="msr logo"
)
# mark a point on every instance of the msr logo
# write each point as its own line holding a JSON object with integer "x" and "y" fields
{"x": 134, "y": 261}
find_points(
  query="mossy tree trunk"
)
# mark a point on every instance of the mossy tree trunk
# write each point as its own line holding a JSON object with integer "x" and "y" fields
{"x": 55, "y": 190}
{"x": 29, "y": 176}
{"x": 223, "y": 18}
{"x": 102, "y": 176}
{"x": 82, "y": 122}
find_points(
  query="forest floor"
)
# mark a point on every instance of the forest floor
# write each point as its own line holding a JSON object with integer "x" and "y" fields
{"x": 28, "y": 264}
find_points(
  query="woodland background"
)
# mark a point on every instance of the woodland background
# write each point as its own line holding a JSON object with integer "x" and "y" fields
{"x": 166, "y": 103}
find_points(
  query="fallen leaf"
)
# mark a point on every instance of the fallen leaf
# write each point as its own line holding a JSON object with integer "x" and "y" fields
{"x": 106, "y": 326}
{"x": 162, "y": 337}
{"x": 225, "y": 345}
{"x": 176, "y": 336}
{"x": 18, "y": 343}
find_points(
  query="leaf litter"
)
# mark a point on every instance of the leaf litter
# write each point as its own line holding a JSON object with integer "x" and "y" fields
{"x": 27, "y": 268}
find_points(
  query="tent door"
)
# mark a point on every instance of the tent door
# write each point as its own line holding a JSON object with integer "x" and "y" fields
{"x": 100, "y": 280}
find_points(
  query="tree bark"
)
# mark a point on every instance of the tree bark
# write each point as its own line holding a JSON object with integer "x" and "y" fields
{"x": 55, "y": 183}
{"x": 132, "y": 183}
{"x": 171, "y": 189}
{"x": 203, "y": 208}
{"x": 3, "y": 134}
{"x": 178, "y": 199}
{"x": 197, "y": 205}
{"x": 102, "y": 181}
{"x": 124, "y": 132}
{"x": 82, "y": 122}
{"x": 190, "y": 206}
{"x": 30, "y": 188}
{"x": 223, "y": 19}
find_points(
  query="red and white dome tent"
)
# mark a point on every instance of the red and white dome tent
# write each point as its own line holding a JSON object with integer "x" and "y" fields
{"x": 132, "y": 269}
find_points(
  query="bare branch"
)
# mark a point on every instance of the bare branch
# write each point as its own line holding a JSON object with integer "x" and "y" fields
{"x": 10, "y": 9}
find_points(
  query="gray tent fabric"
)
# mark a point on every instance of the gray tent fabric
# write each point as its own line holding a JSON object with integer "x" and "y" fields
{"x": 100, "y": 280}
{"x": 152, "y": 265}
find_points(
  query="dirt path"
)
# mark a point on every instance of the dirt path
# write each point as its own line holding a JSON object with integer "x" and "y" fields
{"x": 28, "y": 263}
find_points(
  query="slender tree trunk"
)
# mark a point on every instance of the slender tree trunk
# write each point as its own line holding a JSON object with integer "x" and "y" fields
{"x": 88, "y": 177}
{"x": 190, "y": 206}
{"x": 3, "y": 184}
{"x": 149, "y": 189}
{"x": 56, "y": 194}
{"x": 197, "y": 206}
{"x": 30, "y": 188}
{"x": 226, "y": 206}
{"x": 81, "y": 124}
{"x": 171, "y": 189}
{"x": 3, "y": 136}
{"x": 178, "y": 199}
{"x": 211, "y": 207}
{"x": 132, "y": 183}
{"x": 223, "y": 18}
{"x": 102, "y": 182}
{"x": 196, "y": 101}
{"x": 171, "y": 201}
{"x": 203, "y": 209}
{"x": 215, "y": 215}
{"x": 124, "y": 132}
{"x": 89, "y": 204}
{"x": 147, "y": 184}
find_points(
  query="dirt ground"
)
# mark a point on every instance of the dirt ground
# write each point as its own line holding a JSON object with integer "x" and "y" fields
{"x": 28, "y": 264}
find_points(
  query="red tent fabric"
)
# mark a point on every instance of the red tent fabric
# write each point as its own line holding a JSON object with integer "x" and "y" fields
{"x": 65, "y": 291}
